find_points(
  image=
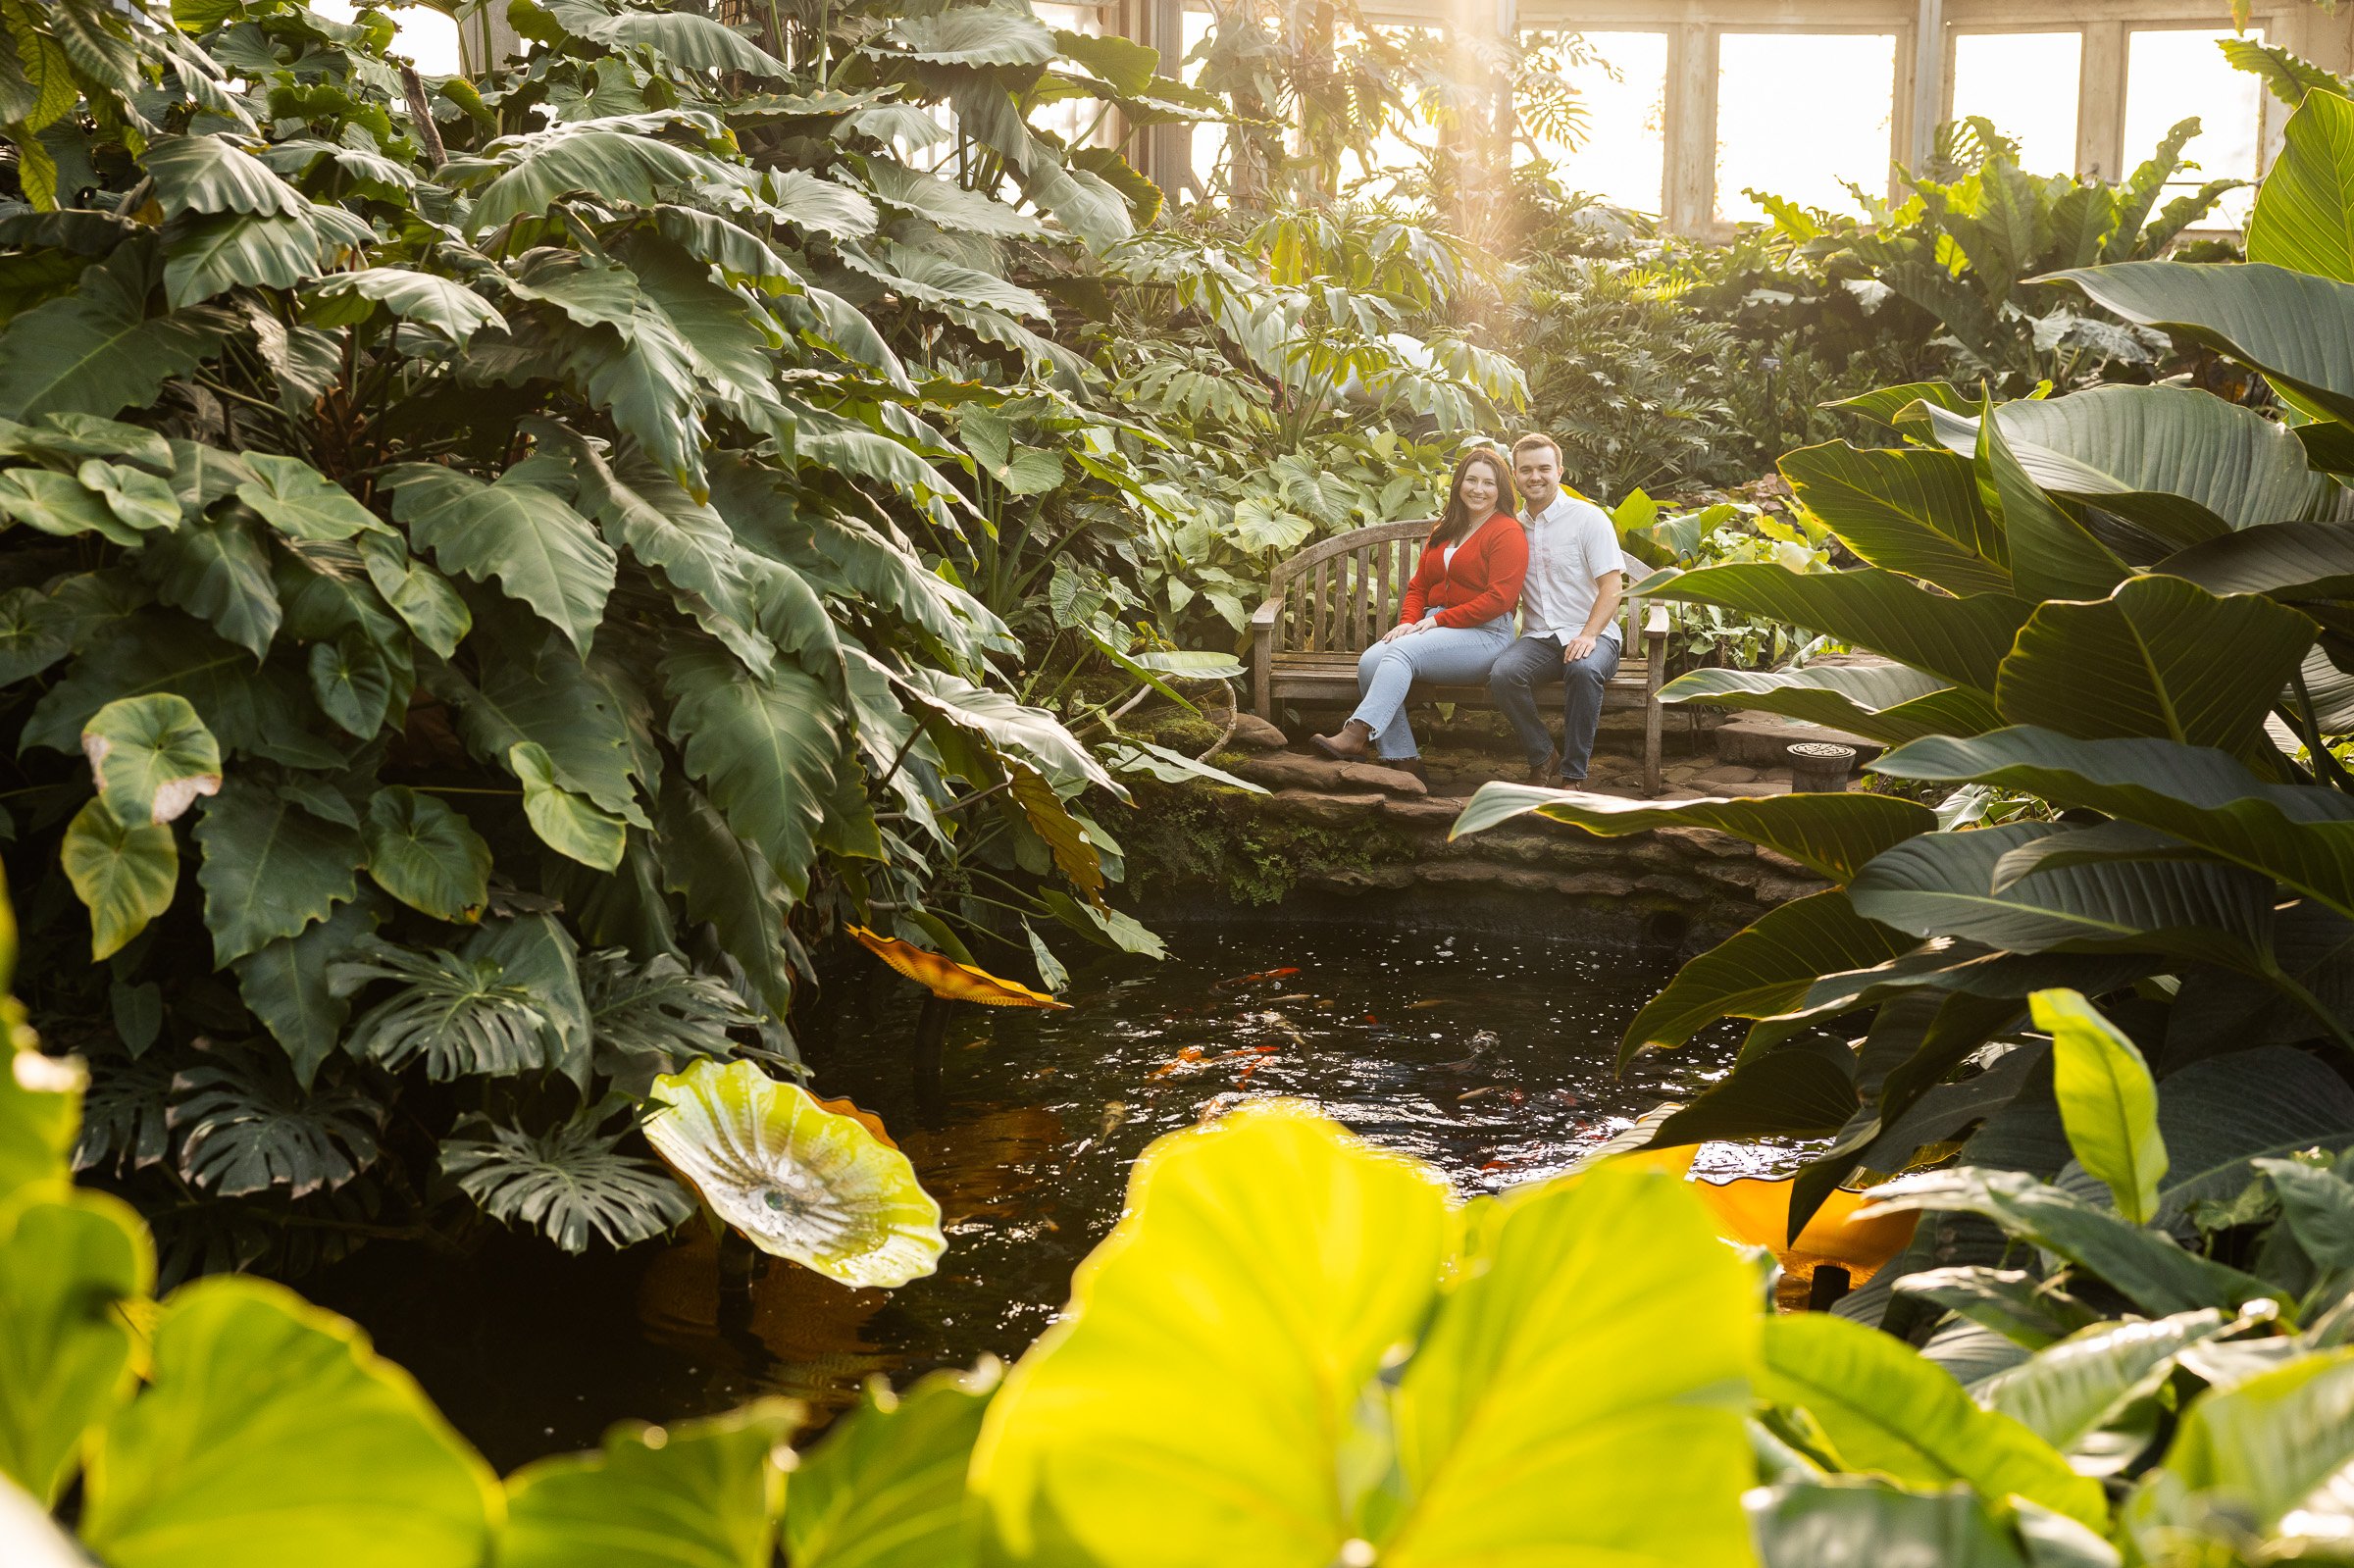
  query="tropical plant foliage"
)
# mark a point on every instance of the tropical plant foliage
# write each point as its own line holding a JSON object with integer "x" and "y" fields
{"x": 496, "y": 569}
{"x": 2125, "y": 604}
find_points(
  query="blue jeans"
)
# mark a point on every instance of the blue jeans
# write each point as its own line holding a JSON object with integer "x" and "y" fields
{"x": 1536, "y": 661}
{"x": 1445, "y": 655}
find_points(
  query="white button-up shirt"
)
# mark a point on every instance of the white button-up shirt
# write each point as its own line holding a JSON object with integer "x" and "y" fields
{"x": 1570, "y": 544}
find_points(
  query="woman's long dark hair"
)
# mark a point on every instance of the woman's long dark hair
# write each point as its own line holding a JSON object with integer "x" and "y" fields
{"x": 1455, "y": 522}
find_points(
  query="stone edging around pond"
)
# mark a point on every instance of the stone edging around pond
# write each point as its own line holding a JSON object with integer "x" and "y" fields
{"x": 1358, "y": 852}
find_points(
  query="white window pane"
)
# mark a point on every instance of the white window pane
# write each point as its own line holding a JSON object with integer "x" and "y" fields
{"x": 2172, "y": 74}
{"x": 1622, "y": 87}
{"x": 428, "y": 37}
{"x": 1798, "y": 115}
{"x": 2027, "y": 84}
{"x": 1208, "y": 141}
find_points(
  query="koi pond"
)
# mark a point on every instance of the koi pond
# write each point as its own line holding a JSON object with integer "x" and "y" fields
{"x": 1488, "y": 1055}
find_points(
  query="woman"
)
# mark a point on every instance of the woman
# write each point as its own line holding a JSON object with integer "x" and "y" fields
{"x": 1455, "y": 617}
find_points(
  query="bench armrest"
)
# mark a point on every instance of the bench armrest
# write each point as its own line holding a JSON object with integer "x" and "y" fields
{"x": 1264, "y": 617}
{"x": 1655, "y": 622}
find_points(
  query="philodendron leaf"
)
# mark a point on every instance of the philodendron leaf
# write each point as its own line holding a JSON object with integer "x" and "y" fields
{"x": 1556, "y": 1400}
{"x": 151, "y": 757}
{"x": 271, "y": 1432}
{"x": 796, "y": 1180}
{"x": 302, "y": 503}
{"x": 886, "y": 1487}
{"x": 1885, "y": 1408}
{"x": 270, "y": 866}
{"x": 694, "y": 1494}
{"x": 124, "y": 875}
{"x": 569, "y": 823}
{"x": 536, "y": 546}
{"x": 352, "y": 683}
{"x": 2108, "y": 1100}
{"x": 426, "y": 855}
{"x": 67, "y": 1267}
{"x": 1834, "y": 835}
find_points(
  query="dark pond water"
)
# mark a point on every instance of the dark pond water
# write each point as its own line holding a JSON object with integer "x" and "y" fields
{"x": 1487, "y": 1056}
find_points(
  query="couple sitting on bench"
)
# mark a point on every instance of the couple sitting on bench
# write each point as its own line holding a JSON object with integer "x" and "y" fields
{"x": 1545, "y": 552}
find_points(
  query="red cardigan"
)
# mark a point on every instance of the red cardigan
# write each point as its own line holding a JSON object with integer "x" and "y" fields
{"x": 1483, "y": 583}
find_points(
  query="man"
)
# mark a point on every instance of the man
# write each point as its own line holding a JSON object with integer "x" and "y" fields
{"x": 1568, "y": 610}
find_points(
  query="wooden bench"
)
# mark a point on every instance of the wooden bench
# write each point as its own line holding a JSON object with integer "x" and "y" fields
{"x": 1330, "y": 602}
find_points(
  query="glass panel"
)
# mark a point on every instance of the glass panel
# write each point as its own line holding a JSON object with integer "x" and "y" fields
{"x": 1619, "y": 150}
{"x": 1777, "y": 136}
{"x": 428, "y": 37}
{"x": 2027, "y": 83}
{"x": 2176, "y": 73}
{"x": 1076, "y": 117}
{"x": 1208, "y": 141}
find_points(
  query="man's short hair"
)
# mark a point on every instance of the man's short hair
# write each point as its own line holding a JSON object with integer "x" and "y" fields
{"x": 1537, "y": 438}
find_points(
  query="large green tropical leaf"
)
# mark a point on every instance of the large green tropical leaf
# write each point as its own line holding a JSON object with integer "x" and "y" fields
{"x": 125, "y": 874}
{"x": 1515, "y": 1431}
{"x": 1884, "y": 702}
{"x": 151, "y": 757}
{"x": 213, "y": 174}
{"x": 2108, "y": 1101}
{"x": 2143, "y": 662}
{"x": 214, "y": 255}
{"x": 1960, "y": 639}
{"x": 1765, "y": 969}
{"x": 245, "y": 1126}
{"x": 795, "y": 1178}
{"x": 2184, "y": 464}
{"x": 271, "y": 1432}
{"x": 539, "y": 548}
{"x": 698, "y": 43}
{"x": 1913, "y": 511}
{"x": 567, "y": 823}
{"x": 2304, "y": 216}
{"x": 1834, "y": 835}
{"x": 1861, "y": 1522}
{"x": 60, "y": 505}
{"x": 765, "y": 750}
{"x": 2290, "y": 326}
{"x": 730, "y": 885}
{"x": 2265, "y": 1457}
{"x": 441, "y": 305}
{"x": 286, "y": 984}
{"x": 461, "y": 1015}
{"x": 2304, "y": 836}
{"x": 700, "y": 1494}
{"x": 1804, "y": 1089}
{"x": 300, "y": 502}
{"x": 2145, "y": 1264}
{"x": 570, "y": 1182}
{"x": 425, "y": 854}
{"x": 2053, "y": 555}
{"x": 613, "y": 158}
{"x": 97, "y": 350}
{"x": 270, "y": 866}
{"x": 1885, "y": 1408}
{"x": 69, "y": 1269}
{"x": 2289, "y": 560}
{"x": 974, "y": 36}
{"x": 2068, "y": 1390}
{"x": 886, "y": 1487}
{"x": 581, "y": 717}
{"x": 217, "y": 569}
{"x": 1943, "y": 884}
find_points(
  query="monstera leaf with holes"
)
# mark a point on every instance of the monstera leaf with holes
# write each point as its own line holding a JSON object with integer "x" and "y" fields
{"x": 445, "y": 669}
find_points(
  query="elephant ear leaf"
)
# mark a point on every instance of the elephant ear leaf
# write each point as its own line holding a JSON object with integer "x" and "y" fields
{"x": 125, "y": 874}
{"x": 2108, "y": 1101}
{"x": 97, "y": 350}
{"x": 796, "y": 1180}
{"x": 426, "y": 855}
{"x": 151, "y": 757}
{"x": 539, "y": 549}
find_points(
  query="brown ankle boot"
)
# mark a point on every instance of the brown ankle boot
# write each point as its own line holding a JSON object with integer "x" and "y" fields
{"x": 1354, "y": 742}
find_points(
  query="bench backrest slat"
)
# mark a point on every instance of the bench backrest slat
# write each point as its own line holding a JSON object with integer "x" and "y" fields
{"x": 1341, "y": 594}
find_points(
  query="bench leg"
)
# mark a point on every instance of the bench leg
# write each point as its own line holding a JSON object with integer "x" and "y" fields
{"x": 1654, "y": 716}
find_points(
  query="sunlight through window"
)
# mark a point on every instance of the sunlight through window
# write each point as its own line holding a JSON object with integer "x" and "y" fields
{"x": 424, "y": 35}
{"x": 2027, "y": 83}
{"x": 2171, "y": 74}
{"x": 1777, "y": 136}
{"x": 1623, "y": 155}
